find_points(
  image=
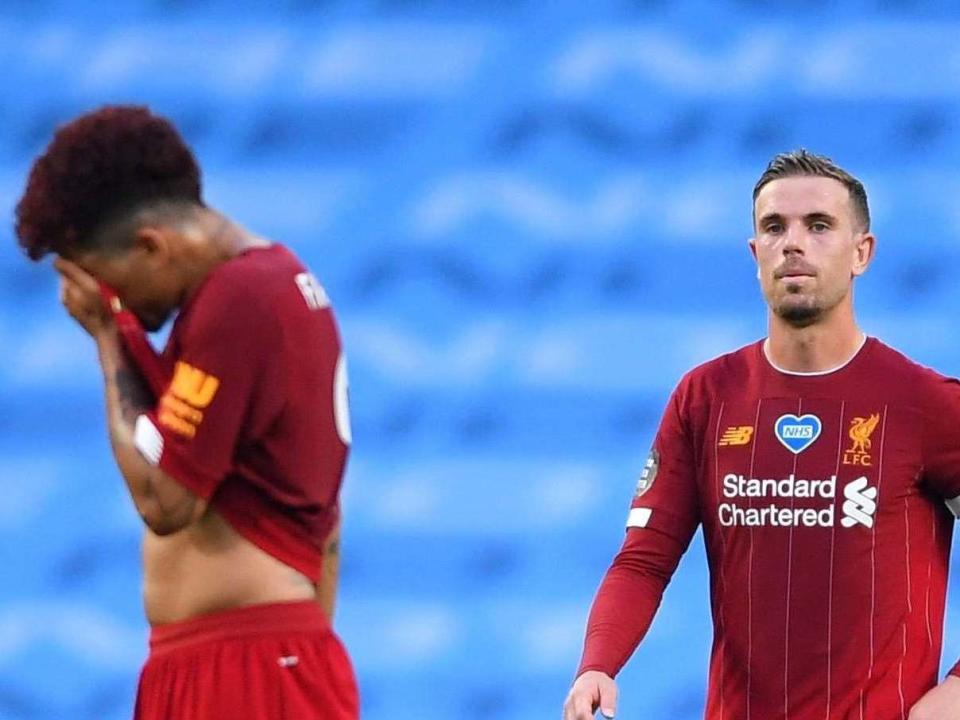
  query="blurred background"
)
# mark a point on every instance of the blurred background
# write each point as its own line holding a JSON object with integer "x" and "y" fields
{"x": 532, "y": 219}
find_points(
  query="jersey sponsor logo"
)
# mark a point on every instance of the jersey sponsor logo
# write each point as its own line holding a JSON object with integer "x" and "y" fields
{"x": 648, "y": 474}
{"x": 858, "y": 507}
{"x": 190, "y": 392}
{"x": 860, "y": 503}
{"x": 797, "y": 433}
{"x": 860, "y": 431}
{"x": 736, "y": 435}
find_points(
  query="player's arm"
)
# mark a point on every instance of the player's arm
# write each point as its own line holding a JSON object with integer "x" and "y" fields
{"x": 165, "y": 505}
{"x": 941, "y": 474}
{"x": 939, "y": 703}
{"x": 329, "y": 571}
{"x": 661, "y": 523}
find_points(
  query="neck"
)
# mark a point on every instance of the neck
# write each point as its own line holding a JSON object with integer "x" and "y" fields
{"x": 826, "y": 344}
{"x": 216, "y": 240}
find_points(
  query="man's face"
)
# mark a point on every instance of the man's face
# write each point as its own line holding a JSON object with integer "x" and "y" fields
{"x": 809, "y": 245}
{"x": 146, "y": 284}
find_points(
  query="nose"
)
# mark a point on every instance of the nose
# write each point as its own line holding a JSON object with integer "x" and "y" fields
{"x": 795, "y": 241}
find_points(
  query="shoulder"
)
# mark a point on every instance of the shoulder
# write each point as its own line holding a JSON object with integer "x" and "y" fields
{"x": 254, "y": 271}
{"x": 241, "y": 297}
{"x": 249, "y": 284}
{"x": 893, "y": 363}
{"x": 711, "y": 377}
{"x": 699, "y": 388}
{"x": 918, "y": 382}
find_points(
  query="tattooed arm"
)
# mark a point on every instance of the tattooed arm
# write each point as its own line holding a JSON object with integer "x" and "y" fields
{"x": 329, "y": 571}
{"x": 165, "y": 505}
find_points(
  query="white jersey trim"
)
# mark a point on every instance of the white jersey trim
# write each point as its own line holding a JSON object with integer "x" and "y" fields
{"x": 148, "y": 440}
{"x": 841, "y": 366}
{"x": 639, "y": 517}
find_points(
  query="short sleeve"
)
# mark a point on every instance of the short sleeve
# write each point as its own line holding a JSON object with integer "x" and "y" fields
{"x": 941, "y": 440}
{"x": 223, "y": 345}
{"x": 666, "y": 494}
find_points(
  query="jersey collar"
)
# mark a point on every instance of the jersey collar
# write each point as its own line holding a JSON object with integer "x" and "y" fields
{"x": 763, "y": 349}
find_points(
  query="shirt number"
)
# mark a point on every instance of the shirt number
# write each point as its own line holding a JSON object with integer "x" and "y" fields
{"x": 341, "y": 404}
{"x": 312, "y": 291}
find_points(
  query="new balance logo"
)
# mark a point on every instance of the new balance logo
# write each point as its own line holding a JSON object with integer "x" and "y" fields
{"x": 190, "y": 392}
{"x": 193, "y": 386}
{"x": 860, "y": 503}
{"x": 736, "y": 435}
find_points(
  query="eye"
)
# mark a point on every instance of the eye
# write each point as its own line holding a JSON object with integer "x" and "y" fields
{"x": 819, "y": 226}
{"x": 773, "y": 228}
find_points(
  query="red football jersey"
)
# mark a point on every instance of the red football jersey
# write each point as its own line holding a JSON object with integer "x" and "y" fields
{"x": 255, "y": 418}
{"x": 823, "y": 499}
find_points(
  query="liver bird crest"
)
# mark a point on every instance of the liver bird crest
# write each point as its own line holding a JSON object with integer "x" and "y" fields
{"x": 860, "y": 431}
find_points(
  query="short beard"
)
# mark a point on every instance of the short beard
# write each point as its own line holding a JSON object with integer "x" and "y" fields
{"x": 799, "y": 316}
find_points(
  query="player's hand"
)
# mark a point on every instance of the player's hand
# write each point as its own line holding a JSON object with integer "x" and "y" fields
{"x": 590, "y": 691}
{"x": 940, "y": 703}
{"x": 80, "y": 295}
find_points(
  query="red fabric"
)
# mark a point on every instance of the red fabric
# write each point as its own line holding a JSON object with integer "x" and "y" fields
{"x": 629, "y": 597}
{"x": 813, "y": 617}
{"x": 155, "y": 370}
{"x": 265, "y": 662}
{"x": 264, "y": 445}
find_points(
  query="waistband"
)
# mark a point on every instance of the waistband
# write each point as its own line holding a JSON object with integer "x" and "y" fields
{"x": 268, "y": 619}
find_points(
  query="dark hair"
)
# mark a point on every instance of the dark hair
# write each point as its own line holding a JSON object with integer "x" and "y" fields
{"x": 99, "y": 168}
{"x": 802, "y": 162}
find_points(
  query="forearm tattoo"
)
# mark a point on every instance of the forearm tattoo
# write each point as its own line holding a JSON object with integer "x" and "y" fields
{"x": 133, "y": 394}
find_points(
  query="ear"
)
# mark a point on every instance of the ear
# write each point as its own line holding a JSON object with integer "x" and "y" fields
{"x": 863, "y": 252}
{"x": 752, "y": 242}
{"x": 153, "y": 242}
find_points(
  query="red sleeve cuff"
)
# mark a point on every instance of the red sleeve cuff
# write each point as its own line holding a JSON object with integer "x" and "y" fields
{"x": 593, "y": 666}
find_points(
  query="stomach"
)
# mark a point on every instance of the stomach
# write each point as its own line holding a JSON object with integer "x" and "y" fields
{"x": 208, "y": 567}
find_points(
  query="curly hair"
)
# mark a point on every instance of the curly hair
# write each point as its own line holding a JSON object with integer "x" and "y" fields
{"x": 98, "y": 168}
{"x": 805, "y": 163}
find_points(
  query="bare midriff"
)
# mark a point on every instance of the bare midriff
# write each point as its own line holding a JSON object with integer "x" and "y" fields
{"x": 207, "y": 567}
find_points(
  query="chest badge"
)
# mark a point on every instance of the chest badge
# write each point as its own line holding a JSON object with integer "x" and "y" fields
{"x": 797, "y": 433}
{"x": 860, "y": 431}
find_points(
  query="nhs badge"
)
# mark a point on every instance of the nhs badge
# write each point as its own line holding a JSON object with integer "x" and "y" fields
{"x": 797, "y": 433}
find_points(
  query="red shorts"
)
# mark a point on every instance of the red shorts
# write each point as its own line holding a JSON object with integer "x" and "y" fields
{"x": 264, "y": 662}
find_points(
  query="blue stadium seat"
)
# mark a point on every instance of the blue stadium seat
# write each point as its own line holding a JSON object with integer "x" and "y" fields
{"x": 532, "y": 220}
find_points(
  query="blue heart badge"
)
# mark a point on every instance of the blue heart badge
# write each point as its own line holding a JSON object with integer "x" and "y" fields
{"x": 797, "y": 433}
